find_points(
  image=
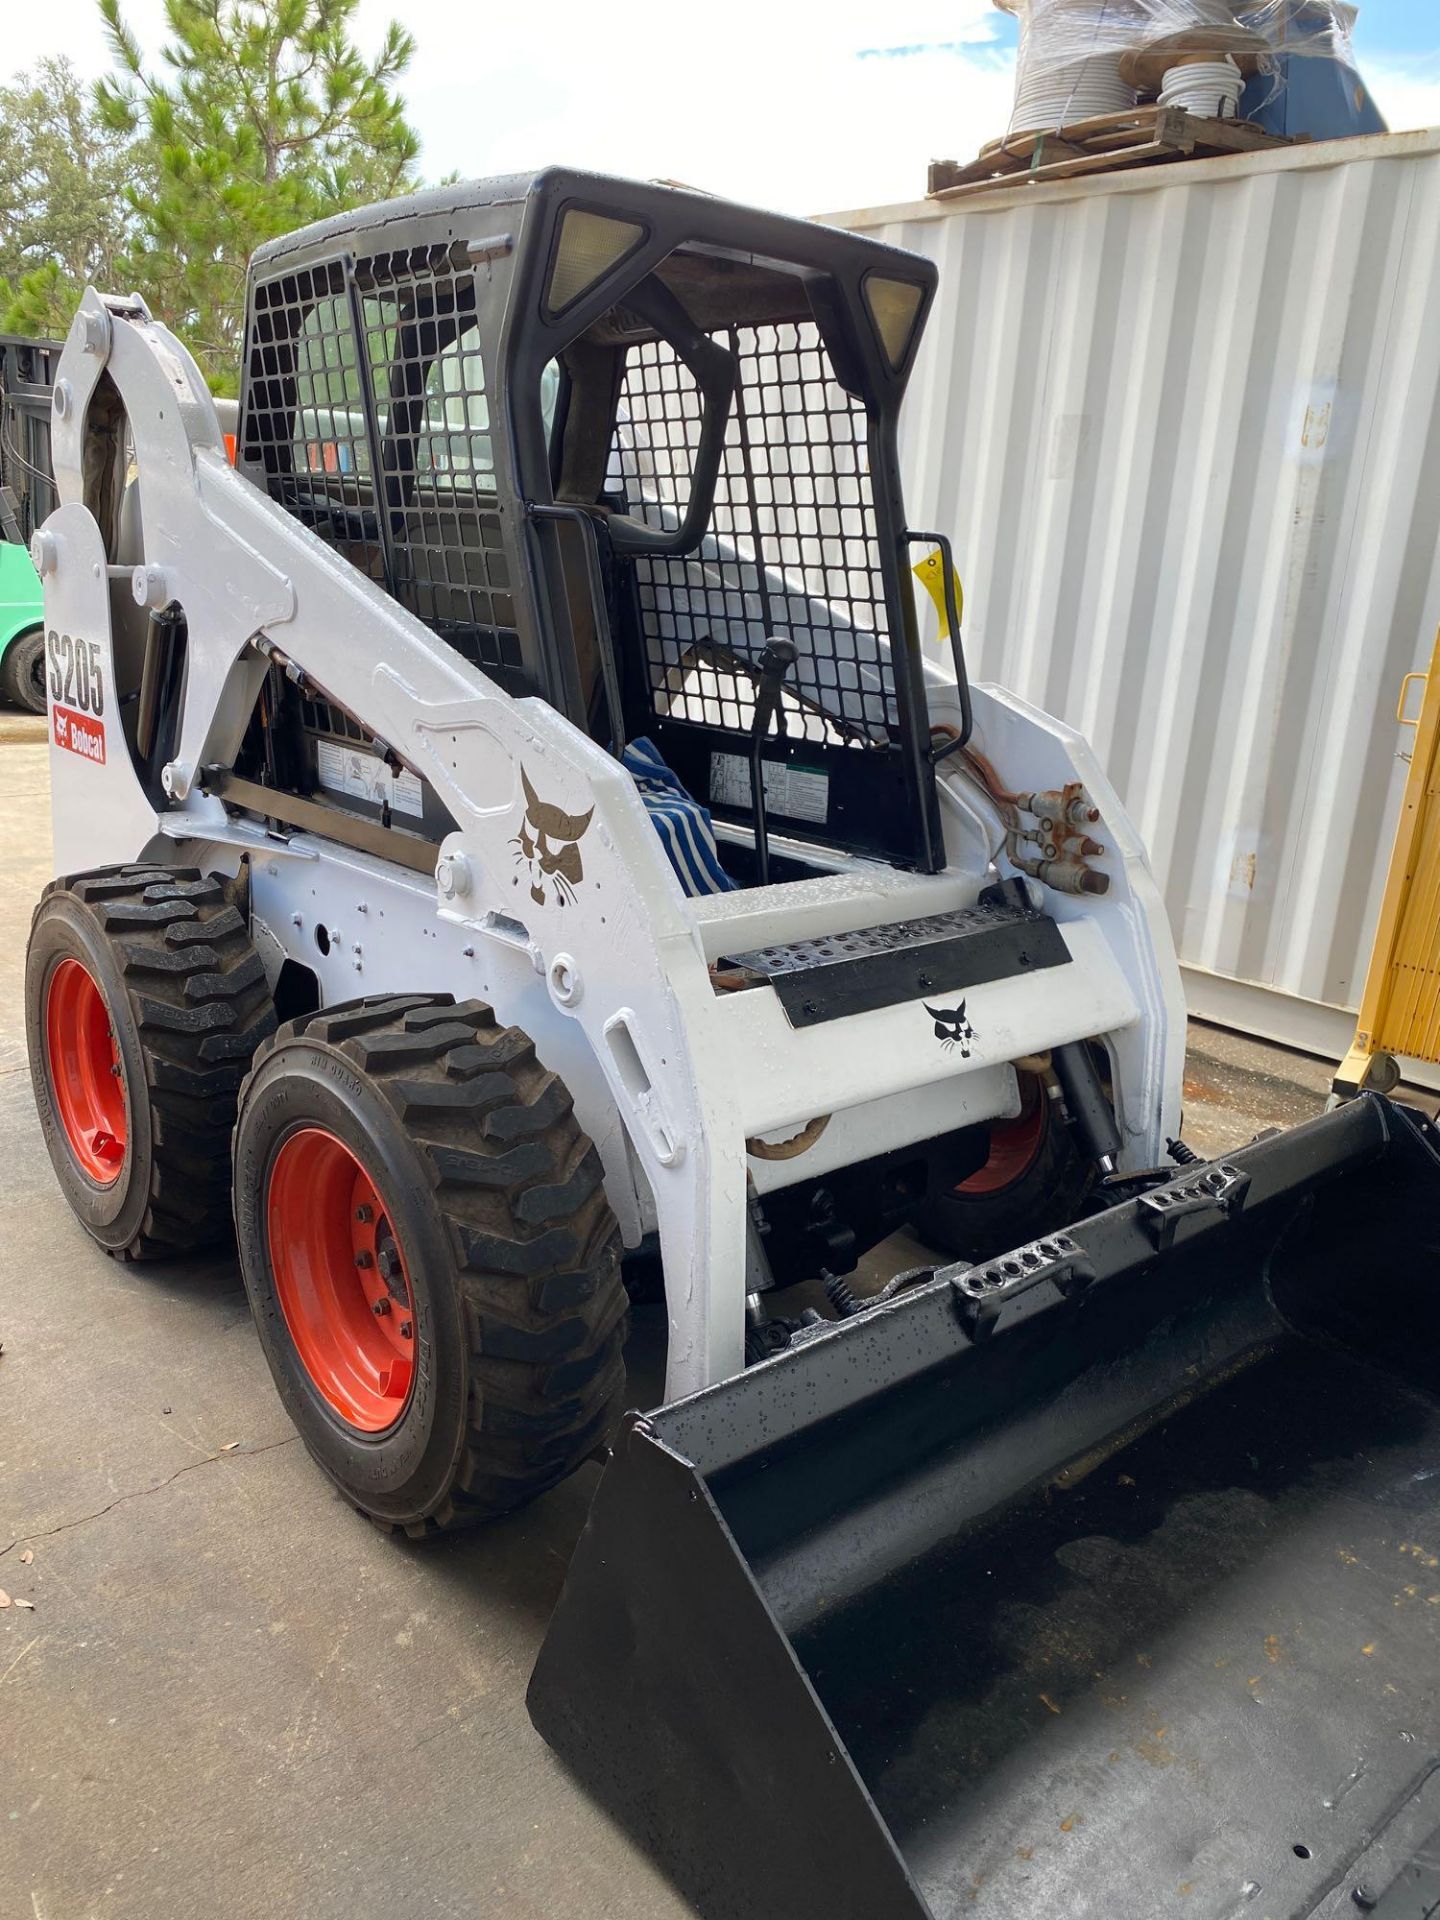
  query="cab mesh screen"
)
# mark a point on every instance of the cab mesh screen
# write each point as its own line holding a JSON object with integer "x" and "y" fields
{"x": 375, "y": 370}
{"x": 791, "y": 549}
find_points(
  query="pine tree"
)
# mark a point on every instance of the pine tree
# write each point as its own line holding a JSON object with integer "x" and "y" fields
{"x": 262, "y": 115}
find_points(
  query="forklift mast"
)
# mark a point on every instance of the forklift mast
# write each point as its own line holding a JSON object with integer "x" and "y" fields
{"x": 27, "y": 484}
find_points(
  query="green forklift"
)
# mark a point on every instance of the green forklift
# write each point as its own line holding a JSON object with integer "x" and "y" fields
{"x": 27, "y": 498}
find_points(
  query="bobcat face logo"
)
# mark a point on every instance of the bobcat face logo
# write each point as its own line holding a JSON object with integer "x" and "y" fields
{"x": 548, "y": 847}
{"x": 953, "y": 1029}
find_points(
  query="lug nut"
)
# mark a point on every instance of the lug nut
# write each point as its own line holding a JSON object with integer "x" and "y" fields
{"x": 404, "y": 1329}
{"x": 364, "y": 1215}
{"x": 363, "y": 1259}
{"x": 381, "y": 1306}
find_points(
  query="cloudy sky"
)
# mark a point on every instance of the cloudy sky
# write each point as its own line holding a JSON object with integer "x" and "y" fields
{"x": 806, "y": 106}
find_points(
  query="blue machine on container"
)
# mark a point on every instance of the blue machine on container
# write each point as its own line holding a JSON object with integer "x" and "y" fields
{"x": 1308, "y": 93}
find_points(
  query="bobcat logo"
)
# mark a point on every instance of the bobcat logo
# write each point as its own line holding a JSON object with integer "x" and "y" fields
{"x": 548, "y": 847}
{"x": 953, "y": 1029}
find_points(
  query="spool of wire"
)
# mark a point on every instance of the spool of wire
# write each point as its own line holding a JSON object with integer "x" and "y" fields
{"x": 1209, "y": 88}
{"x": 1047, "y": 97}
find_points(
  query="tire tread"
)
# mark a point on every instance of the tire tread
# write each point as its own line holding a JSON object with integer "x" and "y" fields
{"x": 535, "y": 1245}
{"x": 201, "y": 1003}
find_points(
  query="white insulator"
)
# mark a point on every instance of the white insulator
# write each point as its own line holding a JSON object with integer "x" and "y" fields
{"x": 1068, "y": 67}
{"x": 1209, "y": 88}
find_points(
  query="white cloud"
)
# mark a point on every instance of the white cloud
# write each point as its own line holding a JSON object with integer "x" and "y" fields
{"x": 72, "y": 28}
{"x": 1408, "y": 96}
{"x": 791, "y": 103}
{"x": 809, "y": 107}
{"x": 802, "y": 107}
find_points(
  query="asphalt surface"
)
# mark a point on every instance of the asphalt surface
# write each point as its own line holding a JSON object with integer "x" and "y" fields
{"x": 228, "y": 1696}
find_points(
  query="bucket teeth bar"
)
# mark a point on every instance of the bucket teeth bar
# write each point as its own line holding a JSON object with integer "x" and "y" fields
{"x": 983, "y": 1293}
{"x": 887, "y": 1624}
{"x": 1221, "y": 1188}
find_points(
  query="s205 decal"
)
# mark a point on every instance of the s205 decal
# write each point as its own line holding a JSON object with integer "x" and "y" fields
{"x": 77, "y": 676}
{"x": 77, "y": 695}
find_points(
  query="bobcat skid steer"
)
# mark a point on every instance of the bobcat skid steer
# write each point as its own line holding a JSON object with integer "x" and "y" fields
{"x": 513, "y": 841}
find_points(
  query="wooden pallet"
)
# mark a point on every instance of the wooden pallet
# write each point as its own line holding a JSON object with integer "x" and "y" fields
{"x": 1112, "y": 140}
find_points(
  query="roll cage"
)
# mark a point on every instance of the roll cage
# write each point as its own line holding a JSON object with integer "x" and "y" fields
{"x": 608, "y": 440}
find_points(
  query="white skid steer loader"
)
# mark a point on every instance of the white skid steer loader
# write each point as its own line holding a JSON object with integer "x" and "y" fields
{"x": 509, "y": 832}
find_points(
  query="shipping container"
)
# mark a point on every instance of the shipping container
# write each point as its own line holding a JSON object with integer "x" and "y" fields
{"x": 1181, "y": 423}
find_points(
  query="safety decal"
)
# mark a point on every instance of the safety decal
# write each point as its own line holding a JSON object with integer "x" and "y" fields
{"x": 365, "y": 776}
{"x": 953, "y": 1028}
{"x": 800, "y": 793}
{"x": 548, "y": 847}
{"x": 78, "y": 733}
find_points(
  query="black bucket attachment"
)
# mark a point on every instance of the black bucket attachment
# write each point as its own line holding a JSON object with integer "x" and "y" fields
{"x": 1098, "y": 1583}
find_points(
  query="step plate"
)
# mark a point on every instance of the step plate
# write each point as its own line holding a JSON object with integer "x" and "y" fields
{"x": 845, "y": 973}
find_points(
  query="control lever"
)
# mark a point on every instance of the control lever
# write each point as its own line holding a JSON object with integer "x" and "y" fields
{"x": 775, "y": 662}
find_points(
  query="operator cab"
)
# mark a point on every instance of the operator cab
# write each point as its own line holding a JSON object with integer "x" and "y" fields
{"x": 631, "y": 450}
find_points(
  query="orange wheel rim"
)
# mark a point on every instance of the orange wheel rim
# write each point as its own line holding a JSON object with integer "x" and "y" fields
{"x": 341, "y": 1280}
{"x": 1014, "y": 1145}
{"x": 86, "y": 1076}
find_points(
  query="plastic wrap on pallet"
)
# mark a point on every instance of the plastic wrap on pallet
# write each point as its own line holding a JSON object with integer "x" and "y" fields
{"x": 1072, "y": 63}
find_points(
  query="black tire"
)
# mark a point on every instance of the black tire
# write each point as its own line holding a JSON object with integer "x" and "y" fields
{"x": 186, "y": 998}
{"x": 1049, "y": 1192}
{"x": 22, "y": 671}
{"x": 511, "y": 1252}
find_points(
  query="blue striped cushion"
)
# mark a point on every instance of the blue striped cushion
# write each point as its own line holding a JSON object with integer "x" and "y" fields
{"x": 682, "y": 823}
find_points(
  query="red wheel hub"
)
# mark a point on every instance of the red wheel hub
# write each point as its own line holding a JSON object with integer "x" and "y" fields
{"x": 1014, "y": 1144}
{"x": 86, "y": 1076}
{"x": 341, "y": 1279}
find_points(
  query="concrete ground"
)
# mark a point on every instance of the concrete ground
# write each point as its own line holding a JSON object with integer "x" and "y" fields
{"x": 231, "y": 1696}
{"x": 223, "y": 1694}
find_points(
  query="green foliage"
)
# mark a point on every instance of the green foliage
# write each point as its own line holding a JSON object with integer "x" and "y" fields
{"x": 66, "y": 185}
{"x": 263, "y": 116}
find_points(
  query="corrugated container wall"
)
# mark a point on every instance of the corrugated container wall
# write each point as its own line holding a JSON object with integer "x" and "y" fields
{"x": 1182, "y": 427}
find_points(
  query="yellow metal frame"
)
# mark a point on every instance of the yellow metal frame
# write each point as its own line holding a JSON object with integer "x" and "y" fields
{"x": 1400, "y": 1008}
